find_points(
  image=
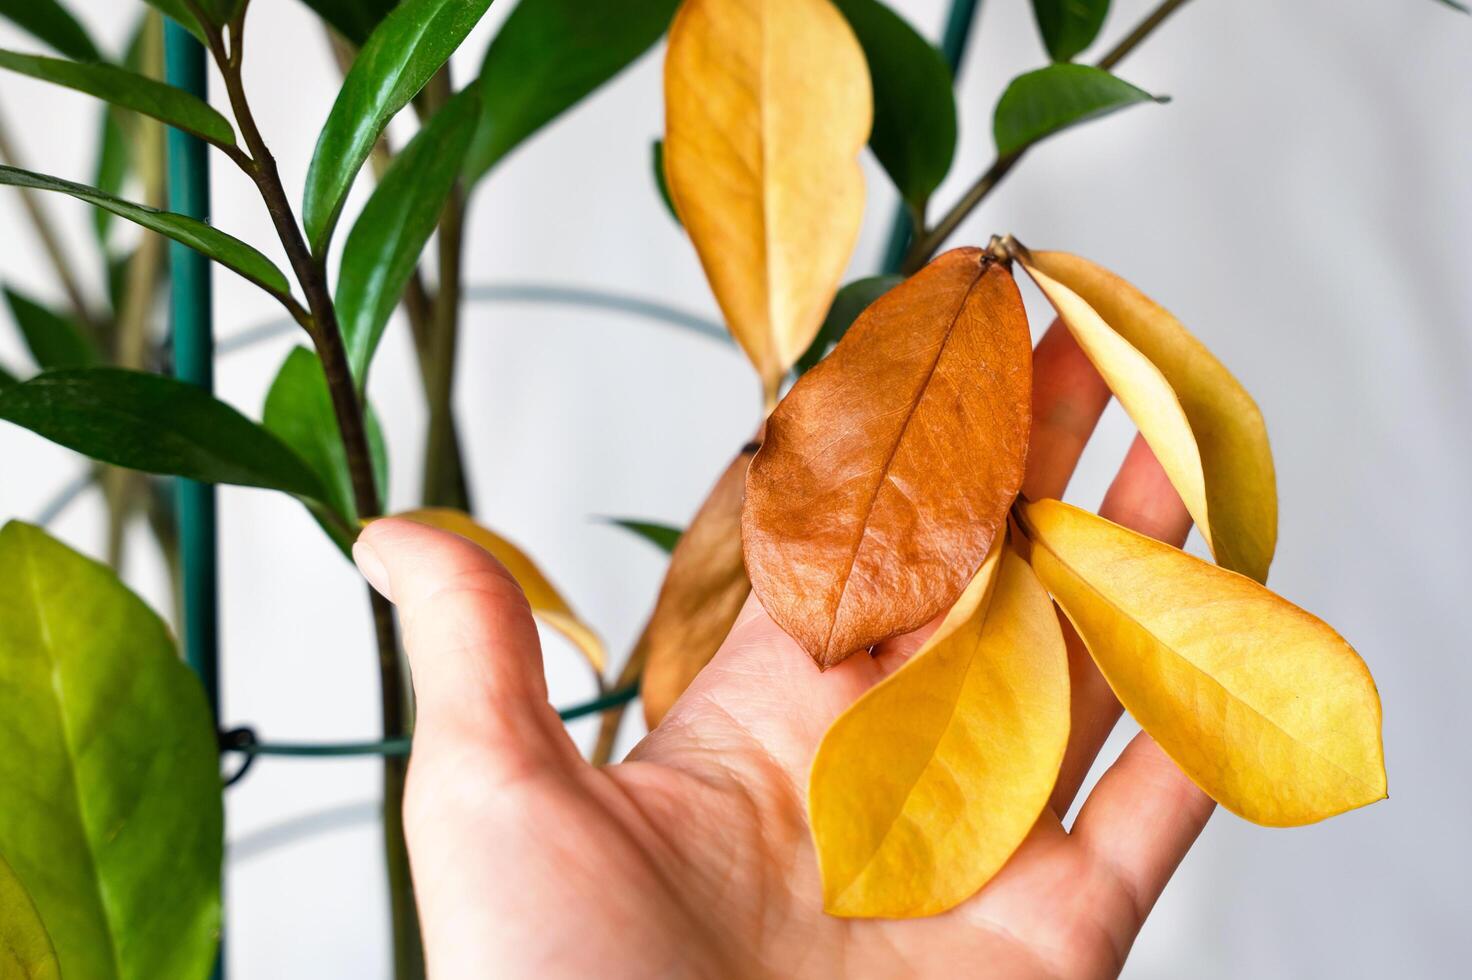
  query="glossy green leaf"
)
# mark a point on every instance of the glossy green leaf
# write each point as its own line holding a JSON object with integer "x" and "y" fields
{"x": 548, "y": 56}
{"x": 401, "y": 56}
{"x": 26, "y": 952}
{"x": 662, "y": 536}
{"x": 914, "y": 134}
{"x": 113, "y": 815}
{"x": 178, "y": 11}
{"x": 127, "y": 90}
{"x": 225, "y": 249}
{"x": 52, "y": 24}
{"x": 299, "y": 412}
{"x": 353, "y": 19}
{"x": 1042, "y": 102}
{"x": 656, "y": 164}
{"x": 383, "y": 248}
{"x": 156, "y": 424}
{"x": 851, "y": 300}
{"x": 55, "y": 341}
{"x": 1069, "y": 26}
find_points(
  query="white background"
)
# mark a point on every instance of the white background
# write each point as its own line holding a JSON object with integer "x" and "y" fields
{"x": 1303, "y": 204}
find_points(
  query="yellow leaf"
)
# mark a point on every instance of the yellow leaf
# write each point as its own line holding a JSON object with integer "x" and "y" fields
{"x": 546, "y": 602}
{"x": 767, "y": 106}
{"x": 1201, "y": 423}
{"x": 1264, "y": 706}
{"x": 924, "y": 787}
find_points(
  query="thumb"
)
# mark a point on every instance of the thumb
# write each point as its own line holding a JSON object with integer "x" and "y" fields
{"x": 474, "y": 654}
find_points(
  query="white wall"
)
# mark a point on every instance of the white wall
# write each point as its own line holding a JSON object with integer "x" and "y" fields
{"x": 1303, "y": 204}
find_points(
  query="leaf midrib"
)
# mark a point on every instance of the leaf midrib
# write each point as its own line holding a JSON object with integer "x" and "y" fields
{"x": 47, "y": 645}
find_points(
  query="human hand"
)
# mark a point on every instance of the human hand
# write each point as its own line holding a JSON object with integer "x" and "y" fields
{"x": 693, "y": 858}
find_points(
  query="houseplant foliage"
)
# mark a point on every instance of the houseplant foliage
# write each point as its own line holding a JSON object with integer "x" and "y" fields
{"x": 882, "y": 491}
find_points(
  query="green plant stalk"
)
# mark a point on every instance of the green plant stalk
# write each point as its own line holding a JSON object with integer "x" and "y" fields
{"x": 926, "y": 245}
{"x": 322, "y": 326}
{"x": 191, "y": 301}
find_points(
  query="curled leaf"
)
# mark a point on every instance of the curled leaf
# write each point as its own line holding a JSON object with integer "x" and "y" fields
{"x": 889, "y": 467}
{"x": 704, "y": 589}
{"x": 924, "y": 787}
{"x": 1201, "y": 423}
{"x": 546, "y": 602}
{"x": 767, "y": 107}
{"x": 1264, "y": 706}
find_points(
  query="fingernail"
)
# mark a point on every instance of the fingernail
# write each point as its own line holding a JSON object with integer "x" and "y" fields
{"x": 372, "y": 568}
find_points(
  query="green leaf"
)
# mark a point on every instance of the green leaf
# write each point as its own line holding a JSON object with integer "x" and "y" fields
{"x": 225, "y": 249}
{"x": 914, "y": 134}
{"x": 353, "y": 19}
{"x": 127, "y": 90}
{"x": 547, "y": 57}
{"x": 1069, "y": 26}
{"x": 383, "y": 248}
{"x": 662, "y": 536}
{"x": 1455, "y": 5}
{"x": 851, "y": 300}
{"x": 114, "y": 161}
{"x": 402, "y": 55}
{"x": 49, "y": 22}
{"x": 656, "y": 163}
{"x": 299, "y": 412}
{"x": 1040, "y": 103}
{"x": 113, "y": 815}
{"x": 26, "y": 952}
{"x": 54, "y": 341}
{"x": 7, "y": 379}
{"x": 179, "y": 13}
{"x": 156, "y": 424}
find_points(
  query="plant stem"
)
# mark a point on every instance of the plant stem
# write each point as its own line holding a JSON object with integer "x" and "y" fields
{"x": 50, "y": 240}
{"x": 928, "y": 244}
{"x": 310, "y": 271}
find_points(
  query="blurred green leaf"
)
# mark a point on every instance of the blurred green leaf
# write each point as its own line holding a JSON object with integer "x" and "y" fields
{"x": 228, "y": 251}
{"x": 656, "y": 163}
{"x": 299, "y": 412}
{"x": 851, "y": 300}
{"x": 6, "y": 378}
{"x": 179, "y": 12}
{"x": 128, "y": 90}
{"x": 26, "y": 952}
{"x": 383, "y": 247}
{"x": 111, "y": 772}
{"x": 1069, "y": 26}
{"x": 548, "y": 56}
{"x": 52, "y": 24}
{"x": 662, "y": 536}
{"x": 114, "y": 161}
{"x": 398, "y": 59}
{"x": 55, "y": 341}
{"x": 353, "y": 19}
{"x": 1455, "y": 5}
{"x": 158, "y": 425}
{"x": 914, "y": 134}
{"x": 1042, "y": 102}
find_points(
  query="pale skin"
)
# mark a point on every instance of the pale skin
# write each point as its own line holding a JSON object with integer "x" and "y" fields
{"x": 693, "y": 858}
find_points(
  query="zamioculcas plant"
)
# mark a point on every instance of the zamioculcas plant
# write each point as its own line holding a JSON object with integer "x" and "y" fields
{"x": 883, "y": 494}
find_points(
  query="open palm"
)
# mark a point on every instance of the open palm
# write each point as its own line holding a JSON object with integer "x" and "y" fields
{"x": 694, "y": 857}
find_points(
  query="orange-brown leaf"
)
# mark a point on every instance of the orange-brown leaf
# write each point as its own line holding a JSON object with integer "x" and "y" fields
{"x": 888, "y": 469}
{"x": 703, "y": 591}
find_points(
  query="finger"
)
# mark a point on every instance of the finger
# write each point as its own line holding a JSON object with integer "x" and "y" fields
{"x": 473, "y": 649}
{"x": 1068, "y": 396}
{"x": 1140, "y": 821}
{"x": 1142, "y": 499}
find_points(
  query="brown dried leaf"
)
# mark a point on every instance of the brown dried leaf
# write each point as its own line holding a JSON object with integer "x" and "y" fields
{"x": 889, "y": 467}
{"x": 704, "y": 590}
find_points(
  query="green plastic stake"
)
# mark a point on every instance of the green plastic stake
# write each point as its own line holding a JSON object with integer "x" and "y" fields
{"x": 191, "y": 300}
